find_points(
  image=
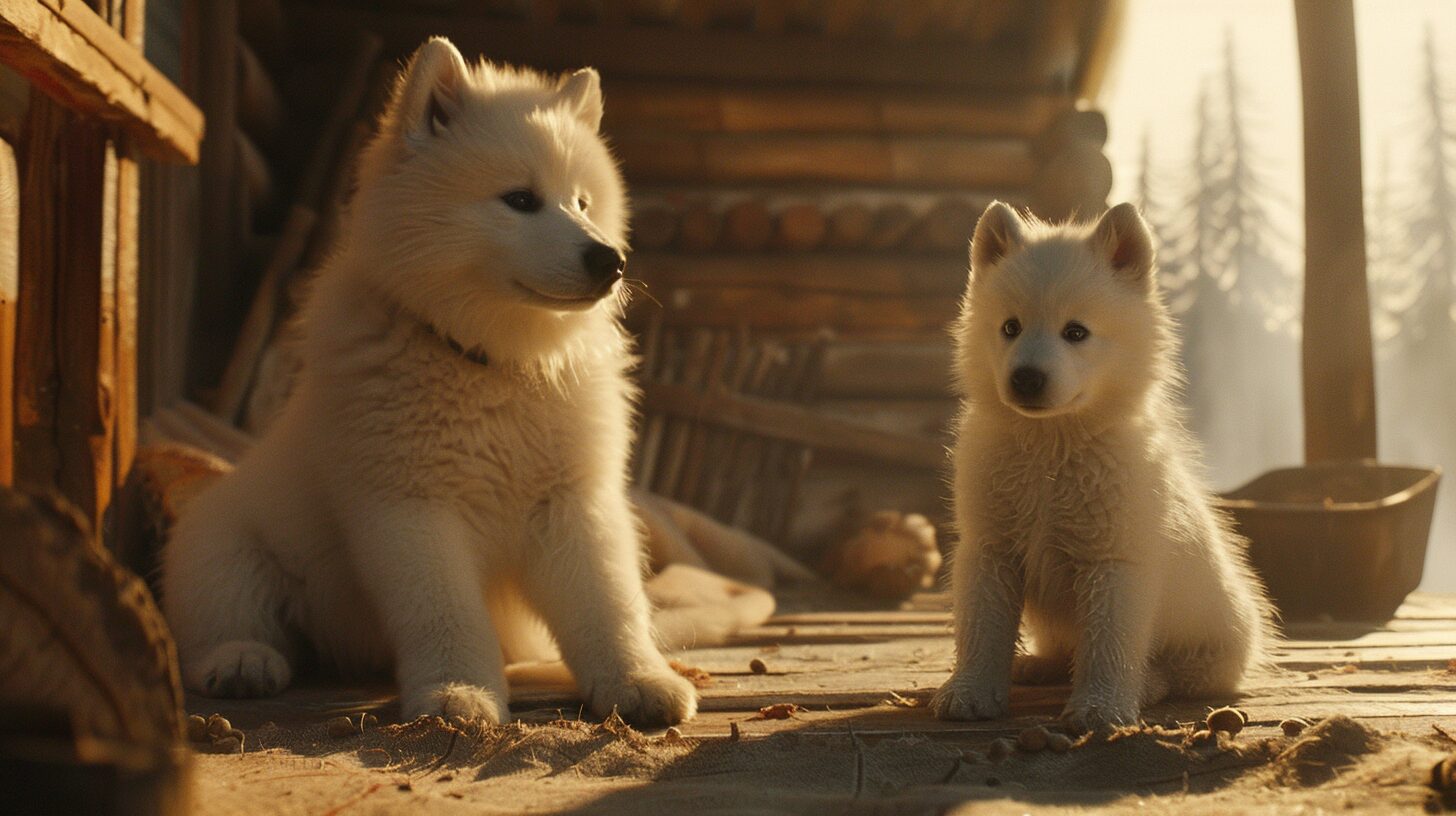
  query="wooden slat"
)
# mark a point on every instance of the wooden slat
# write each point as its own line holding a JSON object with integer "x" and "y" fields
{"x": 906, "y": 161}
{"x": 9, "y": 290}
{"x": 66, "y": 330}
{"x": 699, "y": 54}
{"x": 70, "y": 52}
{"x": 796, "y": 311}
{"x": 792, "y": 423}
{"x": 37, "y": 375}
{"x": 885, "y": 369}
{"x": 124, "y": 398}
{"x": 845, "y": 273}
{"x": 715, "y": 108}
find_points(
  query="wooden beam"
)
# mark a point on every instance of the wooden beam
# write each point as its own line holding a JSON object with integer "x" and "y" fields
{"x": 66, "y": 330}
{"x": 700, "y": 107}
{"x": 792, "y": 423}
{"x": 1099, "y": 46}
{"x": 782, "y": 309}
{"x": 77, "y": 58}
{"x": 9, "y": 290}
{"x": 708, "y": 54}
{"x": 855, "y": 273}
{"x": 907, "y": 161}
{"x": 1339, "y": 369}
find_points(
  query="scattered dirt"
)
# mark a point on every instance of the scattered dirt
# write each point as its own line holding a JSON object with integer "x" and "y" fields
{"x": 1323, "y": 750}
{"x": 699, "y": 677}
{"x": 577, "y": 767}
{"x": 778, "y": 711}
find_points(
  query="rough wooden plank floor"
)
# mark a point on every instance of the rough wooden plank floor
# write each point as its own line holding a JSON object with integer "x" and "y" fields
{"x": 863, "y": 741}
{"x": 875, "y": 669}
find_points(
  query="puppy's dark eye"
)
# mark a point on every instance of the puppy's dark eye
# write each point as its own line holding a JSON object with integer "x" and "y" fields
{"x": 522, "y": 201}
{"x": 582, "y": 204}
{"x": 1075, "y": 332}
{"x": 1011, "y": 328}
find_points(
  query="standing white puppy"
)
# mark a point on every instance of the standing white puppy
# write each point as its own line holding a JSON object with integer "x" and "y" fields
{"x": 1075, "y": 486}
{"x": 451, "y": 468}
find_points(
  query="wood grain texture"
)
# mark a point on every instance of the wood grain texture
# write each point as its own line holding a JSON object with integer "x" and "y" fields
{"x": 76, "y": 57}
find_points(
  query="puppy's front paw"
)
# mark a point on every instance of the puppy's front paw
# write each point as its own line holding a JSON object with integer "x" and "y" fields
{"x": 240, "y": 668}
{"x": 450, "y": 700}
{"x": 647, "y": 699}
{"x": 962, "y": 698}
{"x": 1098, "y": 717}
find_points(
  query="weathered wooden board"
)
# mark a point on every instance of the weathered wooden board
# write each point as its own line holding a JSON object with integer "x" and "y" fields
{"x": 75, "y": 56}
{"x": 873, "y": 671}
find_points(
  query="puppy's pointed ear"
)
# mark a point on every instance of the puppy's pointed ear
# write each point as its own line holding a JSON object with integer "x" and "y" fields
{"x": 429, "y": 90}
{"x": 581, "y": 94}
{"x": 999, "y": 233}
{"x": 1123, "y": 238}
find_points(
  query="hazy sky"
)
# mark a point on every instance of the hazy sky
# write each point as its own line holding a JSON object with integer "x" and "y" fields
{"x": 1169, "y": 47}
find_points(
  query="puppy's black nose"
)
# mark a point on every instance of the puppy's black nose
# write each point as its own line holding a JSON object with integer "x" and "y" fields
{"x": 1028, "y": 382}
{"x": 604, "y": 264}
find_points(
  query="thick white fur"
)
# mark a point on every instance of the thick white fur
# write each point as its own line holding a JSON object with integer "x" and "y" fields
{"x": 414, "y": 509}
{"x": 1085, "y": 514}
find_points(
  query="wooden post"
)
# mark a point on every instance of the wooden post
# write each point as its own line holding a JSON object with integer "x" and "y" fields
{"x": 1339, "y": 372}
{"x": 66, "y": 327}
{"x": 130, "y": 20}
{"x": 9, "y": 288}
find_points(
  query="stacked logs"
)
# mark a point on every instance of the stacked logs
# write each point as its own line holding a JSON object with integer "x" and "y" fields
{"x": 765, "y": 224}
{"x": 1071, "y": 177}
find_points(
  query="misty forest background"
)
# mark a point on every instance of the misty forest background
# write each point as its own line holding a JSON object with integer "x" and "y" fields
{"x": 1232, "y": 271}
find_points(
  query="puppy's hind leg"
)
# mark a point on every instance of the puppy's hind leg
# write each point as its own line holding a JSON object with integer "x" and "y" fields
{"x": 224, "y": 601}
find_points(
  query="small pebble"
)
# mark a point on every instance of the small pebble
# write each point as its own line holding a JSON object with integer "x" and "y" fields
{"x": 672, "y": 735}
{"x": 1226, "y": 719}
{"x": 197, "y": 729}
{"x": 218, "y": 726}
{"x": 1202, "y": 737}
{"x": 339, "y": 727}
{"x": 1059, "y": 743}
{"x": 228, "y": 745}
{"x": 1294, "y": 726}
{"x": 367, "y": 720}
{"x": 757, "y": 666}
{"x": 1001, "y": 748}
{"x": 1033, "y": 739}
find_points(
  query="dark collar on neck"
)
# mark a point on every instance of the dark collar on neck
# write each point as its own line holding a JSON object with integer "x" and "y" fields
{"x": 473, "y": 355}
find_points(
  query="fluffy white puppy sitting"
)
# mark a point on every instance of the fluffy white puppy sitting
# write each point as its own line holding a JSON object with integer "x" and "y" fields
{"x": 451, "y": 468}
{"x": 1076, "y": 490}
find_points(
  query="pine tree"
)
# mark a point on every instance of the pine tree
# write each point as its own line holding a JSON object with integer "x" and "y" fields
{"x": 1239, "y": 327}
{"x": 1431, "y": 235}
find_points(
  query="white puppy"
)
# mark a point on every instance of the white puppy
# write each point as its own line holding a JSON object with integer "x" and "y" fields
{"x": 1076, "y": 489}
{"x": 455, "y": 451}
